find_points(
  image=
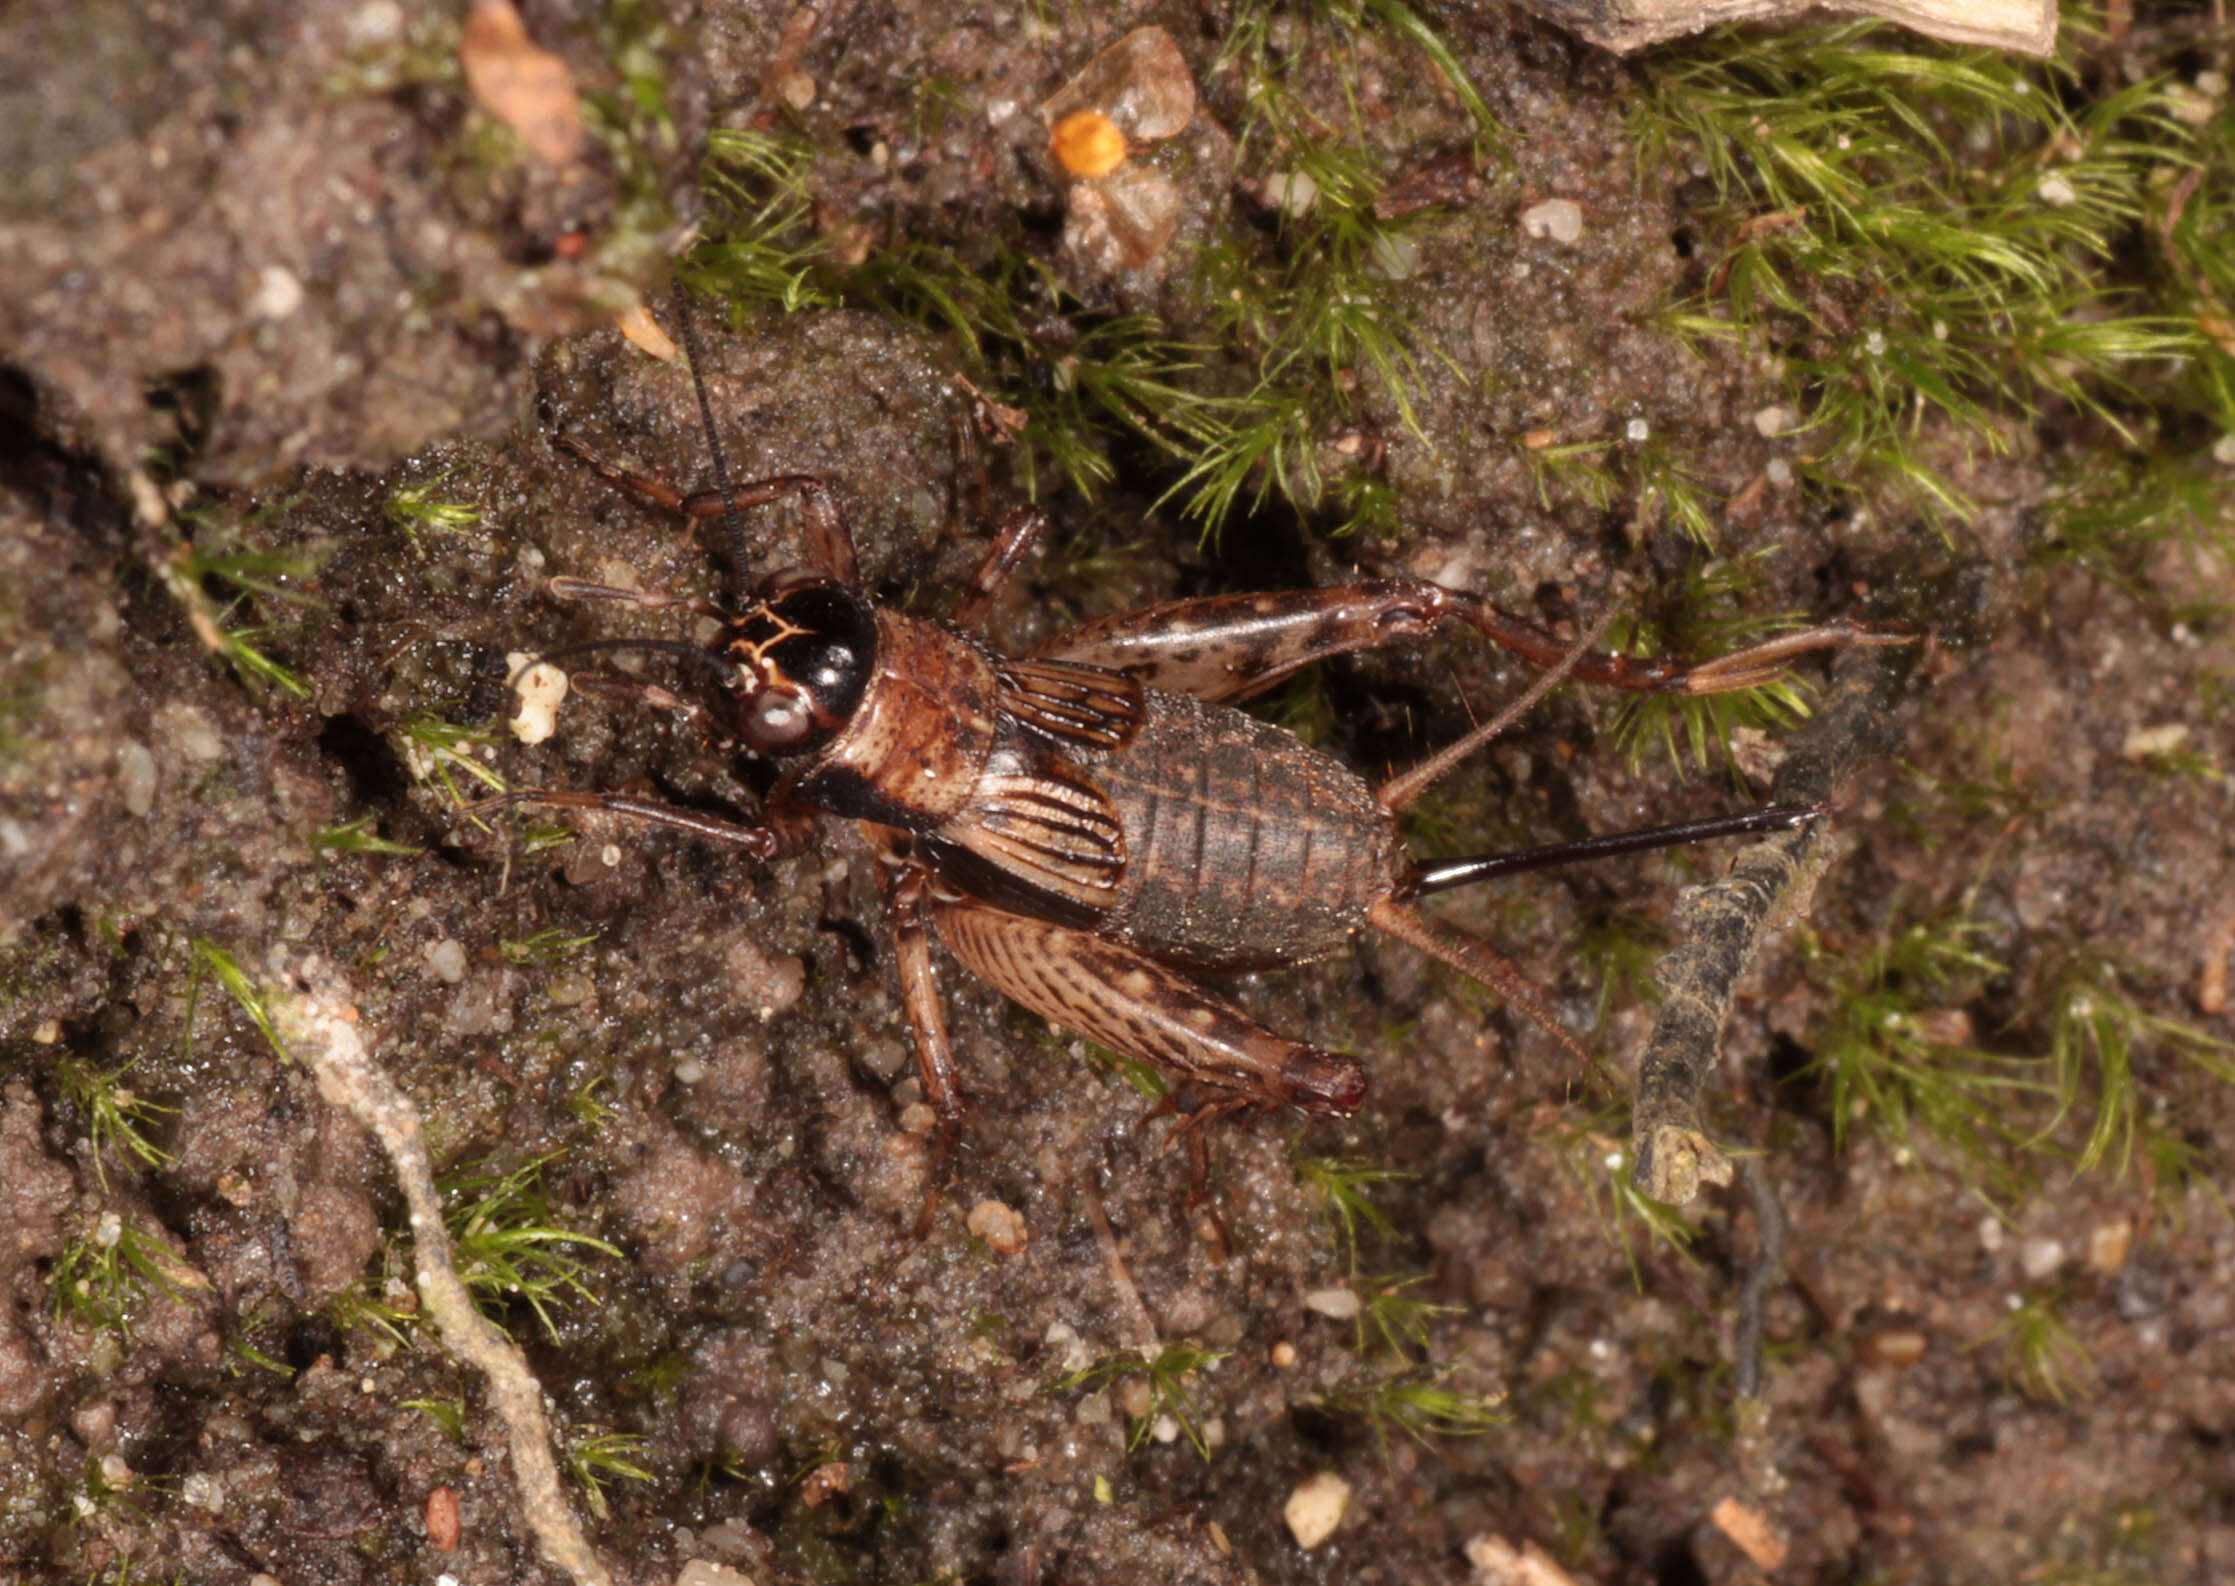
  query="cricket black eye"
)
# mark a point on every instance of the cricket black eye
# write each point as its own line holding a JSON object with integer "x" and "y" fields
{"x": 805, "y": 656}
{"x": 775, "y": 720}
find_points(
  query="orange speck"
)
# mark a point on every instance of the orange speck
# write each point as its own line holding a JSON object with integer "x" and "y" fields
{"x": 1088, "y": 144}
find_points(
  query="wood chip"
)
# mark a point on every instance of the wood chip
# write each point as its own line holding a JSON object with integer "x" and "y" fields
{"x": 644, "y": 333}
{"x": 2027, "y": 26}
{"x": 443, "y": 1525}
{"x": 1498, "y": 1562}
{"x": 1751, "y": 1530}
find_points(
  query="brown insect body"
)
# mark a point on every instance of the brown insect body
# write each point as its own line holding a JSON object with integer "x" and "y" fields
{"x": 1088, "y": 827}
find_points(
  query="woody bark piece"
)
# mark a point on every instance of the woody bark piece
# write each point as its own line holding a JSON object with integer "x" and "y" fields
{"x": 2027, "y": 26}
{"x": 1723, "y": 923}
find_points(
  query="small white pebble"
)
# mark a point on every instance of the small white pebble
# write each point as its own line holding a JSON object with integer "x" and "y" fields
{"x": 1990, "y": 1233}
{"x": 997, "y": 1223}
{"x": 278, "y": 294}
{"x": 541, "y": 686}
{"x": 1560, "y": 219}
{"x": 447, "y": 958}
{"x": 203, "y": 1491}
{"x": 1394, "y": 256}
{"x": 2149, "y": 743}
{"x": 135, "y": 768}
{"x": 1340, "y": 1303}
{"x": 1291, "y": 192}
{"x": 2055, "y": 191}
{"x": 1875, "y": 344}
{"x": 2108, "y": 1244}
{"x": 376, "y": 23}
{"x": 2039, "y": 1258}
{"x": 2223, "y": 451}
{"x": 706, "y": 1572}
{"x": 1315, "y": 1508}
{"x": 1773, "y": 421}
{"x": 797, "y": 89}
{"x": 1780, "y": 472}
{"x": 1166, "y": 1430}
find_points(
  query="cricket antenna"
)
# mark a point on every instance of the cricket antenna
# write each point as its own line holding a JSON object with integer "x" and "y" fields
{"x": 730, "y": 519}
{"x": 1441, "y": 875}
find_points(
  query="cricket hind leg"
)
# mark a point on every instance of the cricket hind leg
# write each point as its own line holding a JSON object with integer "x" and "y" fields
{"x": 1477, "y": 959}
{"x": 1120, "y": 998}
{"x": 906, "y": 885}
{"x": 1225, "y": 648}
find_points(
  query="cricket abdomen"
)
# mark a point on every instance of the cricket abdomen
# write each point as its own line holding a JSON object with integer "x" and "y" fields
{"x": 1244, "y": 846}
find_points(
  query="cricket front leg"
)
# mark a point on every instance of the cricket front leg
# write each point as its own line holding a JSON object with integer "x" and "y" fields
{"x": 1124, "y": 1000}
{"x": 1229, "y": 647}
{"x": 829, "y": 544}
{"x": 762, "y": 842}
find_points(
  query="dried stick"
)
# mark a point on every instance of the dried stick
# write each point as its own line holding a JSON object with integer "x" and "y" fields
{"x": 321, "y": 1028}
{"x": 1723, "y": 924}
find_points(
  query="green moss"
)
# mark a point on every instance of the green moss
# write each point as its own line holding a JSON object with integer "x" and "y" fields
{"x": 1926, "y": 238}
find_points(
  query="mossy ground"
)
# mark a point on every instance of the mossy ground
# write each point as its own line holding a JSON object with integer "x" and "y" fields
{"x": 1850, "y": 324}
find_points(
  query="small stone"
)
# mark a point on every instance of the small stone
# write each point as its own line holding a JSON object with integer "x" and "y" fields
{"x": 1340, "y": 1303}
{"x": 1283, "y": 1355}
{"x": 825, "y": 1482}
{"x": 2040, "y": 1258}
{"x": 1751, "y": 1530}
{"x": 2055, "y": 191}
{"x": 541, "y": 686}
{"x": 203, "y": 1491}
{"x": 796, "y": 89}
{"x": 1291, "y": 192}
{"x": 997, "y": 1223}
{"x": 1315, "y": 1508}
{"x": 278, "y": 294}
{"x": 1136, "y": 1396}
{"x": 2151, "y": 743}
{"x": 1990, "y": 1233}
{"x": 1637, "y": 432}
{"x": 1895, "y": 1346}
{"x": 447, "y": 959}
{"x": 135, "y": 770}
{"x": 1498, "y": 1562}
{"x": 1560, "y": 219}
{"x": 919, "y": 1118}
{"x": 2108, "y": 1244}
{"x": 443, "y": 1525}
{"x": 2223, "y": 451}
{"x": 1773, "y": 421}
{"x": 706, "y": 1572}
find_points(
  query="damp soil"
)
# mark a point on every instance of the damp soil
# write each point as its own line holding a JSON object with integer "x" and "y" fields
{"x": 708, "y": 1053}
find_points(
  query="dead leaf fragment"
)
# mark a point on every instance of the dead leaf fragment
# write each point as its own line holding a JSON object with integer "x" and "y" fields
{"x": 527, "y": 88}
{"x": 1141, "y": 83}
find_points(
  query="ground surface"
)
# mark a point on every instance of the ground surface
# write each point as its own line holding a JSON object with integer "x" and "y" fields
{"x": 1986, "y": 1366}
